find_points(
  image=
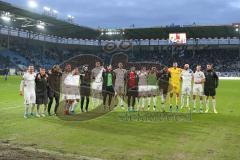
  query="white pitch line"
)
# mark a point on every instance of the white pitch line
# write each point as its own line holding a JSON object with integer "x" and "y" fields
{"x": 8, "y": 108}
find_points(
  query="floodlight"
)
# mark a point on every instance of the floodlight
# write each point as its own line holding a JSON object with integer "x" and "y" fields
{"x": 55, "y": 11}
{"x": 5, "y": 18}
{"x": 46, "y": 9}
{"x": 32, "y": 4}
{"x": 40, "y": 26}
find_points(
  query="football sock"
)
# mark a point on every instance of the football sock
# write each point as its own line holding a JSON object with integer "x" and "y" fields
{"x": 26, "y": 109}
{"x": 138, "y": 102}
{"x": 214, "y": 104}
{"x": 32, "y": 108}
{"x": 74, "y": 105}
{"x": 194, "y": 103}
{"x": 188, "y": 98}
{"x": 94, "y": 101}
{"x": 200, "y": 104}
{"x": 176, "y": 101}
{"x": 143, "y": 102}
{"x": 207, "y": 104}
{"x": 154, "y": 101}
{"x": 163, "y": 99}
{"x": 121, "y": 101}
{"x": 170, "y": 100}
{"x": 182, "y": 100}
{"x": 149, "y": 101}
{"x": 163, "y": 106}
{"x": 163, "y": 102}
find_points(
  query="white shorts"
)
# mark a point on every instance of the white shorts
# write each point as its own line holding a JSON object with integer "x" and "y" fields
{"x": 152, "y": 90}
{"x": 70, "y": 93}
{"x": 96, "y": 87}
{"x": 76, "y": 93}
{"x": 119, "y": 89}
{"x": 143, "y": 90}
{"x": 186, "y": 89}
{"x": 29, "y": 97}
{"x": 197, "y": 90}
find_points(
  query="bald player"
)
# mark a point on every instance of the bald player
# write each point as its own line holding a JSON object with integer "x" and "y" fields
{"x": 186, "y": 77}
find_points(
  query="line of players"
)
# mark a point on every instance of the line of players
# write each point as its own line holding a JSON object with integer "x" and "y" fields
{"x": 137, "y": 86}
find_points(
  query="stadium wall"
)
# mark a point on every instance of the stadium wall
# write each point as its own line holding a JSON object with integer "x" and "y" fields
{"x": 97, "y": 42}
{"x": 229, "y": 78}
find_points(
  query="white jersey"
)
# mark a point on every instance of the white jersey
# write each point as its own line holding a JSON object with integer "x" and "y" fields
{"x": 97, "y": 74}
{"x": 28, "y": 86}
{"x": 70, "y": 86}
{"x": 186, "y": 76}
{"x": 28, "y": 82}
{"x": 68, "y": 79}
{"x": 198, "y": 77}
{"x": 142, "y": 78}
{"x": 76, "y": 80}
{"x": 120, "y": 74}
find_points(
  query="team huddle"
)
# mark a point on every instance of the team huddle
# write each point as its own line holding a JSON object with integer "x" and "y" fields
{"x": 107, "y": 87}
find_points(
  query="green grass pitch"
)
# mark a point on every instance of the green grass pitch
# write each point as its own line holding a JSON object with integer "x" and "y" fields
{"x": 206, "y": 137}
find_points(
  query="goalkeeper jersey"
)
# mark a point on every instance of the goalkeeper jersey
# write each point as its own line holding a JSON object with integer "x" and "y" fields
{"x": 175, "y": 75}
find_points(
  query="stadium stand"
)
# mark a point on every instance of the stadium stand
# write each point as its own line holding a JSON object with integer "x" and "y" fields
{"x": 192, "y": 32}
{"x": 54, "y": 26}
{"x": 23, "y": 45}
{"x": 25, "y": 51}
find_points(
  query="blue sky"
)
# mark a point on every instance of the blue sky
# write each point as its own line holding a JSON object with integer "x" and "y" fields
{"x": 142, "y": 13}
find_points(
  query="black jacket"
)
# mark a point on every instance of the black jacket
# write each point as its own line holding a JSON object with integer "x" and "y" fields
{"x": 85, "y": 86}
{"x": 105, "y": 78}
{"x": 163, "y": 78}
{"x": 54, "y": 82}
{"x": 41, "y": 85}
{"x": 212, "y": 80}
{"x": 86, "y": 79}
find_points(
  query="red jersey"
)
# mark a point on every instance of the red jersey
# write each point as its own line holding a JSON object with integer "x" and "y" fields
{"x": 132, "y": 80}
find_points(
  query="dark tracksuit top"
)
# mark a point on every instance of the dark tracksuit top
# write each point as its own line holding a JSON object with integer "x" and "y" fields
{"x": 212, "y": 80}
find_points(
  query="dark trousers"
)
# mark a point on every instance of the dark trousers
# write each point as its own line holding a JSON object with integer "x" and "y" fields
{"x": 133, "y": 99}
{"x": 82, "y": 102}
{"x": 132, "y": 94}
{"x": 109, "y": 99}
{"x": 108, "y": 91}
{"x": 56, "y": 103}
{"x": 5, "y": 77}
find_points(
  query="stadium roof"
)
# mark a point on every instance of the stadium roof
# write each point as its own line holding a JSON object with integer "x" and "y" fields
{"x": 27, "y": 20}
{"x": 223, "y": 31}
